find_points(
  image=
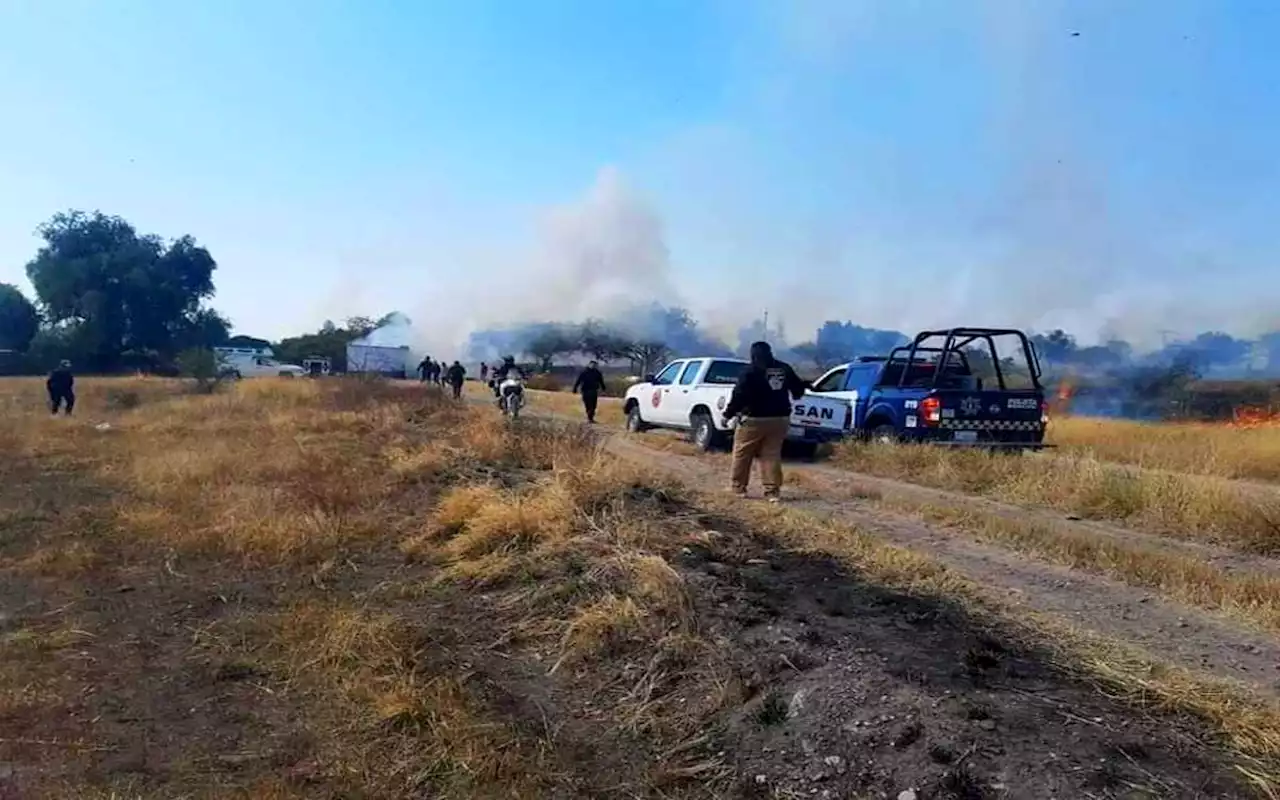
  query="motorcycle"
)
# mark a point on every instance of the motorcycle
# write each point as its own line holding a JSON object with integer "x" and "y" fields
{"x": 511, "y": 397}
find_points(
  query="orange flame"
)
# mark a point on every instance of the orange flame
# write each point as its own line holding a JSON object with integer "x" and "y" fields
{"x": 1062, "y": 400}
{"x": 1254, "y": 417}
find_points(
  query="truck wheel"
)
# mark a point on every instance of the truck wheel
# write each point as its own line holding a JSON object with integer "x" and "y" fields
{"x": 883, "y": 434}
{"x": 634, "y": 423}
{"x": 804, "y": 451}
{"x": 704, "y": 434}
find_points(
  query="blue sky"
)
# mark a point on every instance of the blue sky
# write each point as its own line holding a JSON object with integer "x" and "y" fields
{"x": 903, "y": 163}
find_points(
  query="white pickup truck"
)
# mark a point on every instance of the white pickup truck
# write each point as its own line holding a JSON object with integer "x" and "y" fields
{"x": 238, "y": 364}
{"x": 691, "y": 394}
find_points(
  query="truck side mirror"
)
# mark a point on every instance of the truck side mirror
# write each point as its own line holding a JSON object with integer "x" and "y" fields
{"x": 650, "y": 378}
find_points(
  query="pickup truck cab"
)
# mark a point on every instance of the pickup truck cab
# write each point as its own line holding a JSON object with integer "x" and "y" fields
{"x": 691, "y": 394}
{"x": 949, "y": 387}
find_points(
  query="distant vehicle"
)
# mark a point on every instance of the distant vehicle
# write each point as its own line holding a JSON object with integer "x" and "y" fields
{"x": 930, "y": 391}
{"x": 691, "y": 394}
{"x": 316, "y": 366}
{"x": 239, "y": 362}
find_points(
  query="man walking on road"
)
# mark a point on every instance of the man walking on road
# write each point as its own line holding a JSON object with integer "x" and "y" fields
{"x": 61, "y": 386}
{"x": 591, "y": 383}
{"x": 457, "y": 374}
{"x": 763, "y": 396}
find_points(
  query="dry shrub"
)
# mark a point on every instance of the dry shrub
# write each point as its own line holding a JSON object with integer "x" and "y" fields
{"x": 601, "y": 628}
{"x": 513, "y": 521}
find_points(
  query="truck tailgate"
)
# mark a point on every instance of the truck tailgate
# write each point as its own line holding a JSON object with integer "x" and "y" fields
{"x": 824, "y": 413}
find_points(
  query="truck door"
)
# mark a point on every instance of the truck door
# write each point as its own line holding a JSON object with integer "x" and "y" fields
{"x": 849, "y": 382}
{"x": 677, "y": 405}
{"x": 660, "y": 399}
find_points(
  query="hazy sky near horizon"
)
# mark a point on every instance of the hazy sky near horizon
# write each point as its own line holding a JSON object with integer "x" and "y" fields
{"x": 902, "y": 163}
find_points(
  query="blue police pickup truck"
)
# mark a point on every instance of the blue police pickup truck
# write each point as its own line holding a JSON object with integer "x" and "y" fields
{"x": 951, "y": 387}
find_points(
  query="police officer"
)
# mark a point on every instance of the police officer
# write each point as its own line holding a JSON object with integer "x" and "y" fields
{"x": 61, "y": 385}
{"x": 591, "y": 383}
{"x": 762, "y": 396}
{"x": 456, "y": 375}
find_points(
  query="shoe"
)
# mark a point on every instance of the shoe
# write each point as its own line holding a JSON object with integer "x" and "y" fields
{"x": 736, "y": 492}
{"x": 773, "y": 497}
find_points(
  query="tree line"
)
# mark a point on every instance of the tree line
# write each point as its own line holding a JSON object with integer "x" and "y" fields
{"x": 109, "y": 298}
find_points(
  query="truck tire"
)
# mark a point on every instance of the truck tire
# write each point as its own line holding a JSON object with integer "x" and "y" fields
{"x": 634, "y": 423}
{"x": 884, "y": 433}
{"x": 703, "y": 434}
{"x": 804, "y": 451}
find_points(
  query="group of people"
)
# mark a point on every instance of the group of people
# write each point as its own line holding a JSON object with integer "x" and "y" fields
{"x": 455, "y": 375}
{"x": 761, "y": 403}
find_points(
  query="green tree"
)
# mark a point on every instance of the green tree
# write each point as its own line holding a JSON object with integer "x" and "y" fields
{"x": 124, "y": 292}
{"x": 19, "y": 319}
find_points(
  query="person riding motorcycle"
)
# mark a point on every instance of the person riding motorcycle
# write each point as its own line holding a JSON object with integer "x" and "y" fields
{"x": 507, "y": 371}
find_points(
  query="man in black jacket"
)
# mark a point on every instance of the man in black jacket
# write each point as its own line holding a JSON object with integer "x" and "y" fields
{"x": 61, "y": 386}
{"x": 762, "y": 396}
{"x": 591, "y": 383}
{"x": 457, "y": 374}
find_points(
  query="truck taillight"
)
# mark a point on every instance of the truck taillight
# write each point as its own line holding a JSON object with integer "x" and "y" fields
{"x": 931, "y": 410}
{"x": 1044, "y": 412}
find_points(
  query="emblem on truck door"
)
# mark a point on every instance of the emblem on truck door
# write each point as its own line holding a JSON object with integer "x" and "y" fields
{"x": 970, "y": 405}
{"x": 657, "y": 397}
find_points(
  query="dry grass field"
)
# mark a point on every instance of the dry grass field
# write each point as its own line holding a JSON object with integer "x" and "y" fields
{"x": 332, "y": 589}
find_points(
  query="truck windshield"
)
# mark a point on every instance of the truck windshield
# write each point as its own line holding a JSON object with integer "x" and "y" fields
{"x": 724, "y": 373}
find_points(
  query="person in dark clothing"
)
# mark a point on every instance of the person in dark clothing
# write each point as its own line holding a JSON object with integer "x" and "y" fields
{"x": 484, "y": 372}
{"x": 591, "y": 383}
{"x": 762, "y": 396}
{"x": 457, "y": 374}
{"x": 500, "y": 373}
{"x": 61, "y": 386}
{"x": 424, "y": 367}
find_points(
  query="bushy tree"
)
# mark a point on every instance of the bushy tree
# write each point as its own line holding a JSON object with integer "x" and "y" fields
{"x": 122, "y": 292}
{"x": 19, "y": 319}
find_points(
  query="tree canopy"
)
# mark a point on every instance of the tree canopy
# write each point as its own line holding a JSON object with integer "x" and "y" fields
{"x": 19, "y": 319}
{"x": 123, "y": 298}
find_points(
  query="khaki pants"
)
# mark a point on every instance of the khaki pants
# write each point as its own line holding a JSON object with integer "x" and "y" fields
{"x": 759, "y": 438}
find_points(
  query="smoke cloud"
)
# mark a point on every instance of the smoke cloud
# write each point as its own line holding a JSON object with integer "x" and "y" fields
{"x": 1035, "y": 198}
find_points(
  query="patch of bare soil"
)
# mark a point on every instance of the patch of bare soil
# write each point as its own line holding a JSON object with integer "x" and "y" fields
{"x": 856, "y": 691}
{"x": 1176, "y": 633}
